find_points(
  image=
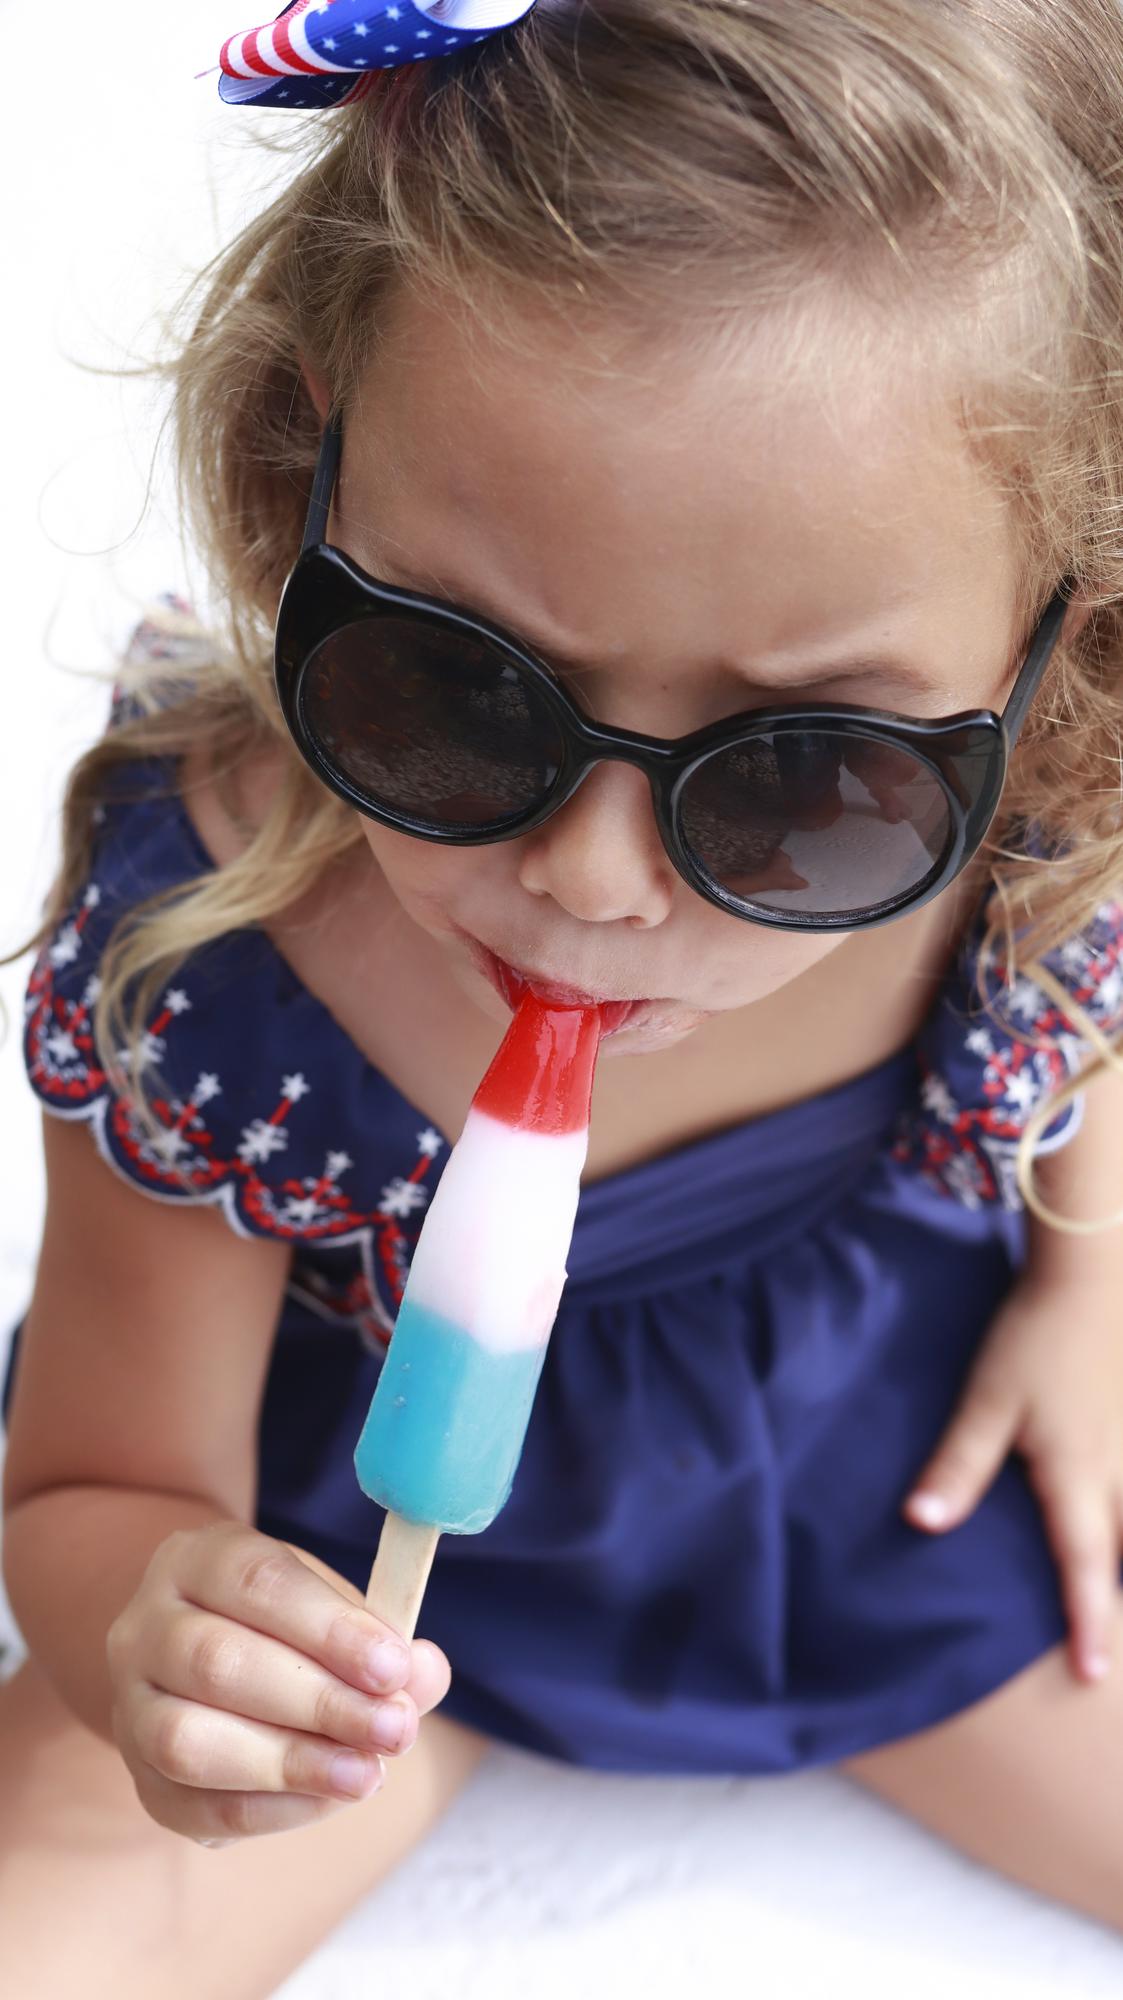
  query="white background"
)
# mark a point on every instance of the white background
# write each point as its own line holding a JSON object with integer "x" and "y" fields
{"x": 120, "y": 175}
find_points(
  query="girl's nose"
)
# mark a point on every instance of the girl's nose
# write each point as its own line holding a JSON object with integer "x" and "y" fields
{"x": 600, "y": 856}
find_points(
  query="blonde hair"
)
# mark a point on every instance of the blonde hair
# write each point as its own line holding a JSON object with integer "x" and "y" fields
{"x": 955, "y": 164}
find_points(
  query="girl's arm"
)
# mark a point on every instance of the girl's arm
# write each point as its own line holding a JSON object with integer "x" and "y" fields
{"x": 1048, "y": 1382}
{"x": 247, "y": 1688}
{"x": 135, "y": 1407}
{"x": 1083, "y": 1182}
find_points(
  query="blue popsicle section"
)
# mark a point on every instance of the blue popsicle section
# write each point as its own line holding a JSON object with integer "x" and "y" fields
{"x": 446, "y": 1425}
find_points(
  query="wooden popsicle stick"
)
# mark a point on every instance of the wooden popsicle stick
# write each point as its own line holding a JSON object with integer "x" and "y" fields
{"x": 400, "y": 1572}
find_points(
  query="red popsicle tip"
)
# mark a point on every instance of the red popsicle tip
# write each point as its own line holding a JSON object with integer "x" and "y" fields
{"x": 541, "y": 1079}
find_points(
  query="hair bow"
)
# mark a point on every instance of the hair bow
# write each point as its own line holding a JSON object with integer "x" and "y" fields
{"x": 321, "y": 52}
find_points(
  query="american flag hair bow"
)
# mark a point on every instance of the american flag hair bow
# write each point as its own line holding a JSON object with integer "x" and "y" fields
{"x": 321, "y": 52}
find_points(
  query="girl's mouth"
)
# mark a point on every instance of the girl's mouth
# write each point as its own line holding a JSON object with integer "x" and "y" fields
{"x": 512, "y": 984}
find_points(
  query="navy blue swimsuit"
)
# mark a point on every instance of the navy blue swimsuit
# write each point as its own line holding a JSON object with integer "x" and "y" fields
{"x": 702, "y": 1566}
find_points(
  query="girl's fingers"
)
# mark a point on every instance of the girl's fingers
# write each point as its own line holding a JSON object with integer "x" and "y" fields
{"x": 430, "y": 1675}
{"x": 245, "y": 1576}
{"x": 1080, "y": 1519}
{"x": 210, "y": 1750}
{"x": 204, "y": 1658}
{"x": 215, "y": 1819}
{"x": 967, "y": 1458}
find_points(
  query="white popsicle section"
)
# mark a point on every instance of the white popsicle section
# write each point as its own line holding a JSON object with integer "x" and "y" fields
{"x": 491, "y": 1257}
{"x": 449, "y": 1415}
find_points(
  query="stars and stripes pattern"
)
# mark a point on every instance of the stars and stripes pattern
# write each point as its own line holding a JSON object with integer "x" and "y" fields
{"x": 324, "y": 52}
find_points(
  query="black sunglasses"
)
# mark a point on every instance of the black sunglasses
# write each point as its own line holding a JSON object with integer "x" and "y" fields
{"x": 808, "y": 816}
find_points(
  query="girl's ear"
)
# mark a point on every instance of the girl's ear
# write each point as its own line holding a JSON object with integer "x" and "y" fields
{"x": 317, "y": 387}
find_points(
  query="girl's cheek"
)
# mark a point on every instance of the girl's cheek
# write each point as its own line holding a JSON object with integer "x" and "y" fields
{"x": 424, "y": 876}
{"x": 713, "y": 962}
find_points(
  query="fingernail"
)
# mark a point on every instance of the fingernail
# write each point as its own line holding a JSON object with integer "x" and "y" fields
{"x": 390, "y": 1722}
{"x": 387, "y": 1662}
{"x": 352, "y": 1774}
{"x": 930, "y": 1508}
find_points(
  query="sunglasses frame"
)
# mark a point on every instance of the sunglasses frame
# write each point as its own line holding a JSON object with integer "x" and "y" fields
{"x": 968, "y": 753}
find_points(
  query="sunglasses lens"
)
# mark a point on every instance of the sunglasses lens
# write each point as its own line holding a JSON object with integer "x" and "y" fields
{"x": 815, "y": 823}
{"x": 431, "y": 724}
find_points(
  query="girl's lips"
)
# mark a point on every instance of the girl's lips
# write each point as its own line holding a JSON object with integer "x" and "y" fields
{"x": 511, "y": 986}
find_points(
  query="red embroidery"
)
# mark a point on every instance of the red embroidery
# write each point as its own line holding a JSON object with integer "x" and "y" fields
{"x": 183, "y": 1161}
{"x": 980, "y": 1081}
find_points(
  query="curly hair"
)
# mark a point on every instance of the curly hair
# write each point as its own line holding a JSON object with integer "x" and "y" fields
{"x": 956, "y": 163}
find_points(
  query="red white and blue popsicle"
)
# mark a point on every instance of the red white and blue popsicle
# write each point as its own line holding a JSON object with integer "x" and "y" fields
{"x": 450, "y": 1412}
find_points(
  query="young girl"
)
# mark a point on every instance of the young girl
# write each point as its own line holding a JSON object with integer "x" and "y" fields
{"x": 742, "y": 379}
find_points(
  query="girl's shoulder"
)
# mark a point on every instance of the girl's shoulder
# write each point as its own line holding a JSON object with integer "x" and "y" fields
{"x": 257, "y": 1100}
{"x": 996, "y": 1046}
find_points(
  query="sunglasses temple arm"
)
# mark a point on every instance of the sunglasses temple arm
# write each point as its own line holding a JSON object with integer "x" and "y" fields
{"x": 1029, "y": 680}
{"x": 323, "y": 483}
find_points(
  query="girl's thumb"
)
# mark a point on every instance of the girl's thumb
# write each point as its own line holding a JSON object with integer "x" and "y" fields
{"x": 966, "y": 1460}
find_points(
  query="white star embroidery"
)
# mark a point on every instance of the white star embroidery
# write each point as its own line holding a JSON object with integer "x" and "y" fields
{"x": 91, "y": 990}
{"x": 295, "y": 1087}
{"x": 92, "y": 896}
{"x": 149, "y": 1050}
{"x": 303, "y": 1210}
{"x": 1110, "y": 992}
{"x": 170, "y": 1144}
{"x": 336, "y": 1164}
{"x": 429, "y": 1143}
{"x": 206, "y": 1086}
{"x": 938, "y": 1099}
{"x": 979, "y": 1042}
{"x": 402, "y": 1197}
{"x": 176, "y": 1001}
{"x": 261, "y": 1140}
{"x": 66, "y": 946}
{"x": 1026, "y": 998}
{"x": 360, "y": 29}
{"x": 61, "y": 1046}
{"x": 1022, "y": 1090}
{"x": 329, "y": 43}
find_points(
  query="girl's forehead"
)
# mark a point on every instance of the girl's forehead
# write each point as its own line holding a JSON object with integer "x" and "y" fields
{"x": 484, "y": 412}
{"x": 585, "y": 457}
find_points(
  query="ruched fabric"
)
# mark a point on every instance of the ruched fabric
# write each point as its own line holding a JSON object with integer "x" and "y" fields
{"x": 702, "y": 1566}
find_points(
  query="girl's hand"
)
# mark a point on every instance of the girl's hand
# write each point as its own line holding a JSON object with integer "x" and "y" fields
{"x": 252, "y": 1694}
{"x": 1047, "y": 1382}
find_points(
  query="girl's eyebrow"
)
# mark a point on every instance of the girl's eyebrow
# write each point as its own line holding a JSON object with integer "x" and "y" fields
{"x": 889, "y": 669}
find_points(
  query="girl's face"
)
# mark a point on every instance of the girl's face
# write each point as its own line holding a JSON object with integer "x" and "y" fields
{"x": 680, "y": 540}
